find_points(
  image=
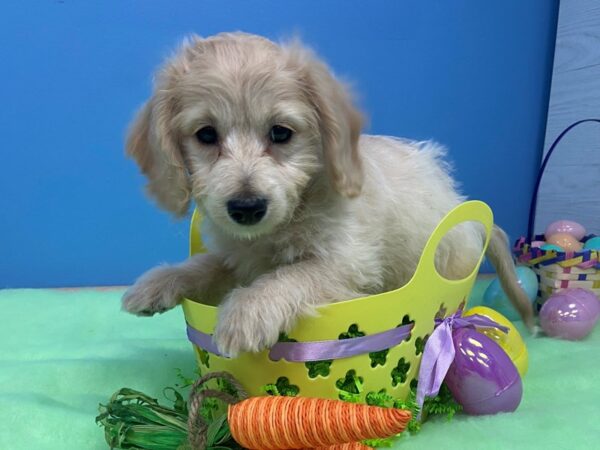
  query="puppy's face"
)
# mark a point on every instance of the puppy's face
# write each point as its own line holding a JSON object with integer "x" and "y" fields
{"x": 242, "y": 126}
{"x": 250, "y": 140}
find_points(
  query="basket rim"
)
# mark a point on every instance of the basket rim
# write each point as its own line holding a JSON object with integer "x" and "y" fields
{"x": 452, "y": 215}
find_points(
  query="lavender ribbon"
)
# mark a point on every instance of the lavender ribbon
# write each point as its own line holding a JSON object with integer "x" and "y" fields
{"x": 202, "y": 340}
{"x": 317, "y": 350}
{"x": 343, "y": 348}
{"x": 439, "y": 351}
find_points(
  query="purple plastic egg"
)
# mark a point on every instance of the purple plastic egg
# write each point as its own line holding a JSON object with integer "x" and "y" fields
{"x": 565, "y": 226}
{"x": 570, "y": 314}
{"x": 482, "y": 377}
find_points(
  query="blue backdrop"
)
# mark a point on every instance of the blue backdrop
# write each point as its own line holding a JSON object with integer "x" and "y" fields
{"x": 473, "y": 75}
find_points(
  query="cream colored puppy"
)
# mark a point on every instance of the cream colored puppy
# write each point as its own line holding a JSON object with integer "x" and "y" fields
{"x": 302, "y": 210}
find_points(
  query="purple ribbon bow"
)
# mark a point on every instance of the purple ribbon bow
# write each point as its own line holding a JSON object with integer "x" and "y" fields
{"x": 439, "y": 352}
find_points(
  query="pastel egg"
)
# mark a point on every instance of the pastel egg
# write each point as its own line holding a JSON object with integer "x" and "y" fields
{"x": 570, "y": 314}
{"x": 552, "y": 247}
{"x": 592, "y": 243}
{"x": 511, "y": 342}
{"x": 537, "y": 244}
{"x": 566, "y": 241}
{"x": 565, "y": 226}
{"x": 482, "y": 378}
{"x": 495, "y": 298}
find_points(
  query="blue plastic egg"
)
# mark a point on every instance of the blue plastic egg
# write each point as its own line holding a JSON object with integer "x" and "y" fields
{"x": 495, "y": 298}
{"x": 592, "y": 244}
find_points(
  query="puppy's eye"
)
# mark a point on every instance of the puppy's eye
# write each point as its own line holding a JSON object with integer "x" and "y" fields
{"x": 280, "y": 135}
{"x": 207, "y": 135}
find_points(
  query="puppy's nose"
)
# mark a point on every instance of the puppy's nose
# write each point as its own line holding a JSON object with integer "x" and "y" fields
{"x": 247, "y": 211}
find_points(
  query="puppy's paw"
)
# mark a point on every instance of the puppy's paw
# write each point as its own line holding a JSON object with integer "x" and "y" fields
{"x": 245, "y": 325}
{"x": 154, "y": 292}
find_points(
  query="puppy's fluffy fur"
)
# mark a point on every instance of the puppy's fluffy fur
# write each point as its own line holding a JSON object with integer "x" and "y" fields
{"x": 348, "y": 215}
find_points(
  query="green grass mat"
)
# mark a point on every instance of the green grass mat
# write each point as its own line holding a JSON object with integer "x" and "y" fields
{"x": 64, "y": 351}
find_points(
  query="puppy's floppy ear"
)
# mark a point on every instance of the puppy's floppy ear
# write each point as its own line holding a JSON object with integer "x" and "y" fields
{"x": 152, "y": 145}
{"x": 340, "y": 123}
{"x": 153, "y": 141}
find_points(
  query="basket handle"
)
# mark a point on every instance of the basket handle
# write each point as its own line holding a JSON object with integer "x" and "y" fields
{"x": 470, "y": 211}
{"x": 196, "y": 244}
{"x": 533, "y": 204}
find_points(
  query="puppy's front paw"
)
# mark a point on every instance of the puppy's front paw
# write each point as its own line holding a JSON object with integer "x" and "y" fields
{"x": 155, "y": 292}
{"x": 245, "y": 324}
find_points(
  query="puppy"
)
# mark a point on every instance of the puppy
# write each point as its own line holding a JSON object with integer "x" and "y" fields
{"x": 301, "y": 209}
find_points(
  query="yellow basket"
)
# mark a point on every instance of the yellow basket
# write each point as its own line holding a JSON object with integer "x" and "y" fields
{"x": 395, "y": 369}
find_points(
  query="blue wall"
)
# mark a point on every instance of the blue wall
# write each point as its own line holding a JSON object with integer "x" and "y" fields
{"x": 473, "y": 75}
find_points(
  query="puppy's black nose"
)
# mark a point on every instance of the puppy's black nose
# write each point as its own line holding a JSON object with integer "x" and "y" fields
{"x": 247, "y": 211}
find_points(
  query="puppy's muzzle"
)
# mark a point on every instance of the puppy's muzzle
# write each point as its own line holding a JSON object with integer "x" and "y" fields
{"x": 247, "y": 211}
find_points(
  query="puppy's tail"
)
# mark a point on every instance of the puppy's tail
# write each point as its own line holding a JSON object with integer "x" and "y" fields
{"x": 500, "y": 257}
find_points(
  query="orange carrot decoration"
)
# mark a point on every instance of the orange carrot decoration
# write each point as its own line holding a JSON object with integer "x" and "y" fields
{"x": 274, "y": 423}
{"x": 295, "y": 422}
{"x": 350, "y": 446}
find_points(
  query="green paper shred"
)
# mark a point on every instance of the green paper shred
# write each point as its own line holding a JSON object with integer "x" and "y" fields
{"x": 379, "y": 358}
{"x": 134, "y": 420}
{"x": 281, "y": 387}
{"x": 350, "y": 387}
{"x": 318, "y": 368}
{"x": 353, "y": 332}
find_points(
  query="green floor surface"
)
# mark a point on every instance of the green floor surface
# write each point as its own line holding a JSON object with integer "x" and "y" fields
{"x": 64, "y": 351}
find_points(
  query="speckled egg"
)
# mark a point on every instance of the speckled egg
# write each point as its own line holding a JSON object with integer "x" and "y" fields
{"x": 592, "y": 243}
{"x": 566, "y": 241}
{"x": 511, "y": 342}
{"x": 482, "y": 378}
{"x": 570, "y": 314}
{"x": 565, "y": 226}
